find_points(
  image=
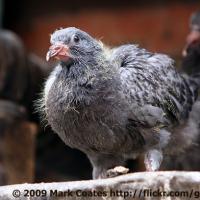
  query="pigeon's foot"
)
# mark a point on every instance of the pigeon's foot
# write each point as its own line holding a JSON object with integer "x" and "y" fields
{"x": 153, "y": 160}
{"x": 117, "y": 171}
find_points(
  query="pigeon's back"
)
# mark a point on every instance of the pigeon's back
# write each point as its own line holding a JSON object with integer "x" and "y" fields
{"x": 151, "y": 80}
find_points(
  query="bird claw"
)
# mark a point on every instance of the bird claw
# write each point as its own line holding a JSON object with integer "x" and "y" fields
{"x": 153, "y": 160}
{"x": 117, "y": 171}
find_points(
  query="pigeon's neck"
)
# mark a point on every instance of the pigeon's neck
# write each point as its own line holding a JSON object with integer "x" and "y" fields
{"x": 90, "y": 71}
{"x": 89, "y": 83}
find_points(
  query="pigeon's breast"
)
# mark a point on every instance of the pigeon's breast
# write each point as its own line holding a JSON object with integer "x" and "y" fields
{"x": 87, "y": 128}
{"x": 97, "y": 126}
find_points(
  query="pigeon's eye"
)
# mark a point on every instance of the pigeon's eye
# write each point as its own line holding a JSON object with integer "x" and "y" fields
{"x": 76, "y": 39}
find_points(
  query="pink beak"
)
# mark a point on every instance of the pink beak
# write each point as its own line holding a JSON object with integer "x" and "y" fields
{"x": 59, "y": 52}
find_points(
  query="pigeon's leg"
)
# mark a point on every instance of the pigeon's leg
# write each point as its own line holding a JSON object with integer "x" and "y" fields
{"x": 103, "y": 165}
{"x": 153, "y": 159}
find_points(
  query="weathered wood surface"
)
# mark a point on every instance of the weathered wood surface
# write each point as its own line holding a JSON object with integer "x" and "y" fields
{"x": 182, "y": 185}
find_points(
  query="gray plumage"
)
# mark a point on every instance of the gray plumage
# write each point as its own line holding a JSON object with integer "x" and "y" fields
{"x": 117, "y": 103}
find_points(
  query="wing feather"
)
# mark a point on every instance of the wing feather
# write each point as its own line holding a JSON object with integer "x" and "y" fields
{"x": 150, "y": 79}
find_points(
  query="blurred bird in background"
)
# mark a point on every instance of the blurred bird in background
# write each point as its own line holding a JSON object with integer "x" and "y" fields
{"x": 117, "y": 103}
{"x": 191, "y": 52}
{"x": 21, "y": 77}
{"x": 190, "y": 159}
{"x": 191, "y": 65}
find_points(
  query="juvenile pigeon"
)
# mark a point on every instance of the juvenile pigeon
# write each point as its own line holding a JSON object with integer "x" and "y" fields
{"x": 117, "y": 103}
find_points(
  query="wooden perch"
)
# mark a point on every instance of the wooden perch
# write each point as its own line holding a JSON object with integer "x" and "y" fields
{"x": 137, "y": 186}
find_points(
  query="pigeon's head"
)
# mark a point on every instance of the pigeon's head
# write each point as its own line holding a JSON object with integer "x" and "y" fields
{"x": 71, "y": 45}
{"x": 193, "y": 38}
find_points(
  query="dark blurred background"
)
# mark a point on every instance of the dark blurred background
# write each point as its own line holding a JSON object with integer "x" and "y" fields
{"x": 159, "y": 25}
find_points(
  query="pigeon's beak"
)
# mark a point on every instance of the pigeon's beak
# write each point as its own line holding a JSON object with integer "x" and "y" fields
{"x": 58, "y": 51}
{"x": 192, "y": 39}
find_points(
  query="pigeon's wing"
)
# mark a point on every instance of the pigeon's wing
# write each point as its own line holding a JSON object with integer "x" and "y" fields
{"x": 152, "y": 86}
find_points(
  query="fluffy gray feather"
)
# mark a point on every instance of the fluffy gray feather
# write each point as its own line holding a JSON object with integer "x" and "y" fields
{"x": 116, "y": 103}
